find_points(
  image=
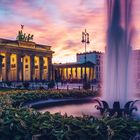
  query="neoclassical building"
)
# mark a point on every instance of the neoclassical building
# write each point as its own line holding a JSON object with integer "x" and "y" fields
{"x": 73, "y": 72}
{"x": 24, "y": 60}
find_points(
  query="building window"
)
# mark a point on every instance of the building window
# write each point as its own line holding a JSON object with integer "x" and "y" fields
{"x": 26, "y": 60}
{"x": 36, "y": 66}
{"x": 97, "y": 62}
{"x": 45, "y": 67}
{"x": 26, "y": 66}
{"x": 13, "y": 65}
{"x": 13, "y": 60}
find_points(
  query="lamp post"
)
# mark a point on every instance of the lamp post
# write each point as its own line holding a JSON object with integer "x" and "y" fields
{"x": 85, "y": 40}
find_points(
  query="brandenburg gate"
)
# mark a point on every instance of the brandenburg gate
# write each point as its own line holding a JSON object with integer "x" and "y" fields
{"x": 24, "y": 60}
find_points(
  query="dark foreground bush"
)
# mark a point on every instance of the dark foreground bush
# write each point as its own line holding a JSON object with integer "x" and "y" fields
{"x": 25, "y": 124}
{"x": 51, "y": 84}
{"x": 28, "y": 124}
{"x": 26, "y": 85}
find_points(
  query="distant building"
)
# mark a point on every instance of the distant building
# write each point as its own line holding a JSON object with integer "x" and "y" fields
{"x": 73, "y": 72}
{"x": 24, "y": 60}
{"x": 94, "y": 57}
{"x": 136, "y": 68}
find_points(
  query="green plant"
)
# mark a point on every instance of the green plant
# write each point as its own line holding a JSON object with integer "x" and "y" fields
{"x": 26, "y": 85}
{"x": 17, "y": 123}
{"x": 51, "y": 84}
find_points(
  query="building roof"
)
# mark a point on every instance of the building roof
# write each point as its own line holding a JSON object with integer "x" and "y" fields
{"x": 92, "y": 52}
{"x": 75, "y": 64}
{"x": 6, "y": 43}
{"x": 2, "y": 40}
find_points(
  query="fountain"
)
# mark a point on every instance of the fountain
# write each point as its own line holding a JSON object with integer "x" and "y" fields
{"x": 118, "y": 60}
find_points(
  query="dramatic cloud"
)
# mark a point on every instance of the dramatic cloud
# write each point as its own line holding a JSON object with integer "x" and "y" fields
{"x": 59, "y": 23}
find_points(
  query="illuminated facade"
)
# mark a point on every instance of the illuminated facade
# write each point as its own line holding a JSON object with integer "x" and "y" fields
{"x": 73, "y": 72}
{"x": 96, "y": 58}
{"x": 24, "y": 61}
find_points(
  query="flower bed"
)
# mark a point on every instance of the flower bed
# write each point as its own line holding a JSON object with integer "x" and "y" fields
{"x": 17, "y": 123}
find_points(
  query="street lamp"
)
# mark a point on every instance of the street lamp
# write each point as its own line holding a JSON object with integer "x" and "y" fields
{"x": 85, "y": 40}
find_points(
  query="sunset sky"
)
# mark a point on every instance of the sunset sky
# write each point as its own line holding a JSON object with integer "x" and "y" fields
{"x": 59, "y": 23}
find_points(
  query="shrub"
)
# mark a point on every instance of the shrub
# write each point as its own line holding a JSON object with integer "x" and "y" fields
{"x": 8, "y": 84}
{"x": 86, "y": 85}
{"x": 51, "y": 84}
{"x": 26, "y": 85}
{"x": 26, "y": 123}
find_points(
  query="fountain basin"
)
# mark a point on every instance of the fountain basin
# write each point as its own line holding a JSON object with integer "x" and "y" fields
{"x": 83, "y": 106}
{"x": 71, "y": 106}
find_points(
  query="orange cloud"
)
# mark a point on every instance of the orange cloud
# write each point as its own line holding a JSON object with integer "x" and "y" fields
{"x": 59, "y": 23}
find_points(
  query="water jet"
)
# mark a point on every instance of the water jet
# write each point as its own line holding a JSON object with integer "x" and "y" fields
{"x": 118, "y": 72}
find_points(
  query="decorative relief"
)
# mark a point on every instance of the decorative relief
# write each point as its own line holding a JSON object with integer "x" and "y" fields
{"x": 26, "y": 44}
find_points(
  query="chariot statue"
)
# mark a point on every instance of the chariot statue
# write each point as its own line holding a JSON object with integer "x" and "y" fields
{"x": 23, "y": 37}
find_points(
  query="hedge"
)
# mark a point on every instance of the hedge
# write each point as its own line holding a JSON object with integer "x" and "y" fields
{"x": 18, "y": 123}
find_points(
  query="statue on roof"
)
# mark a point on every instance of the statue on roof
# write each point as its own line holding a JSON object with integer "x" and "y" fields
{"x": 22, "y": 36}
{"x": 22, "y": 26}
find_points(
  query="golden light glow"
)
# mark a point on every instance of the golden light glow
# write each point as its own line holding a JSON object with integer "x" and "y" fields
{"x": 26, "y": 68}
{"x": 13, "y": 67}
{"x": 79, "y": 73}
{"x": 45, "y": 71}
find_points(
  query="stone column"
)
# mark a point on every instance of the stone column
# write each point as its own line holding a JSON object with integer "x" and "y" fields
{"x": 89, "y": 72}
{"x": 7, "y": 61}
{"x": 52, "y": 72}
{"x": 19, "y": 67}
{"x": 49, "y": 68}
{"x": 62, "y": 73}
{"x": 67, "y": 77}
{"x": 1, "y": 57}
{"x": 71, "y": 73}
{"x": 76, "y": 77}
{"x": 32, "y": 68}
{"x": 41, "y": 67}
{"x": 81, "y": 74}
{"x": 94, "y": 73}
